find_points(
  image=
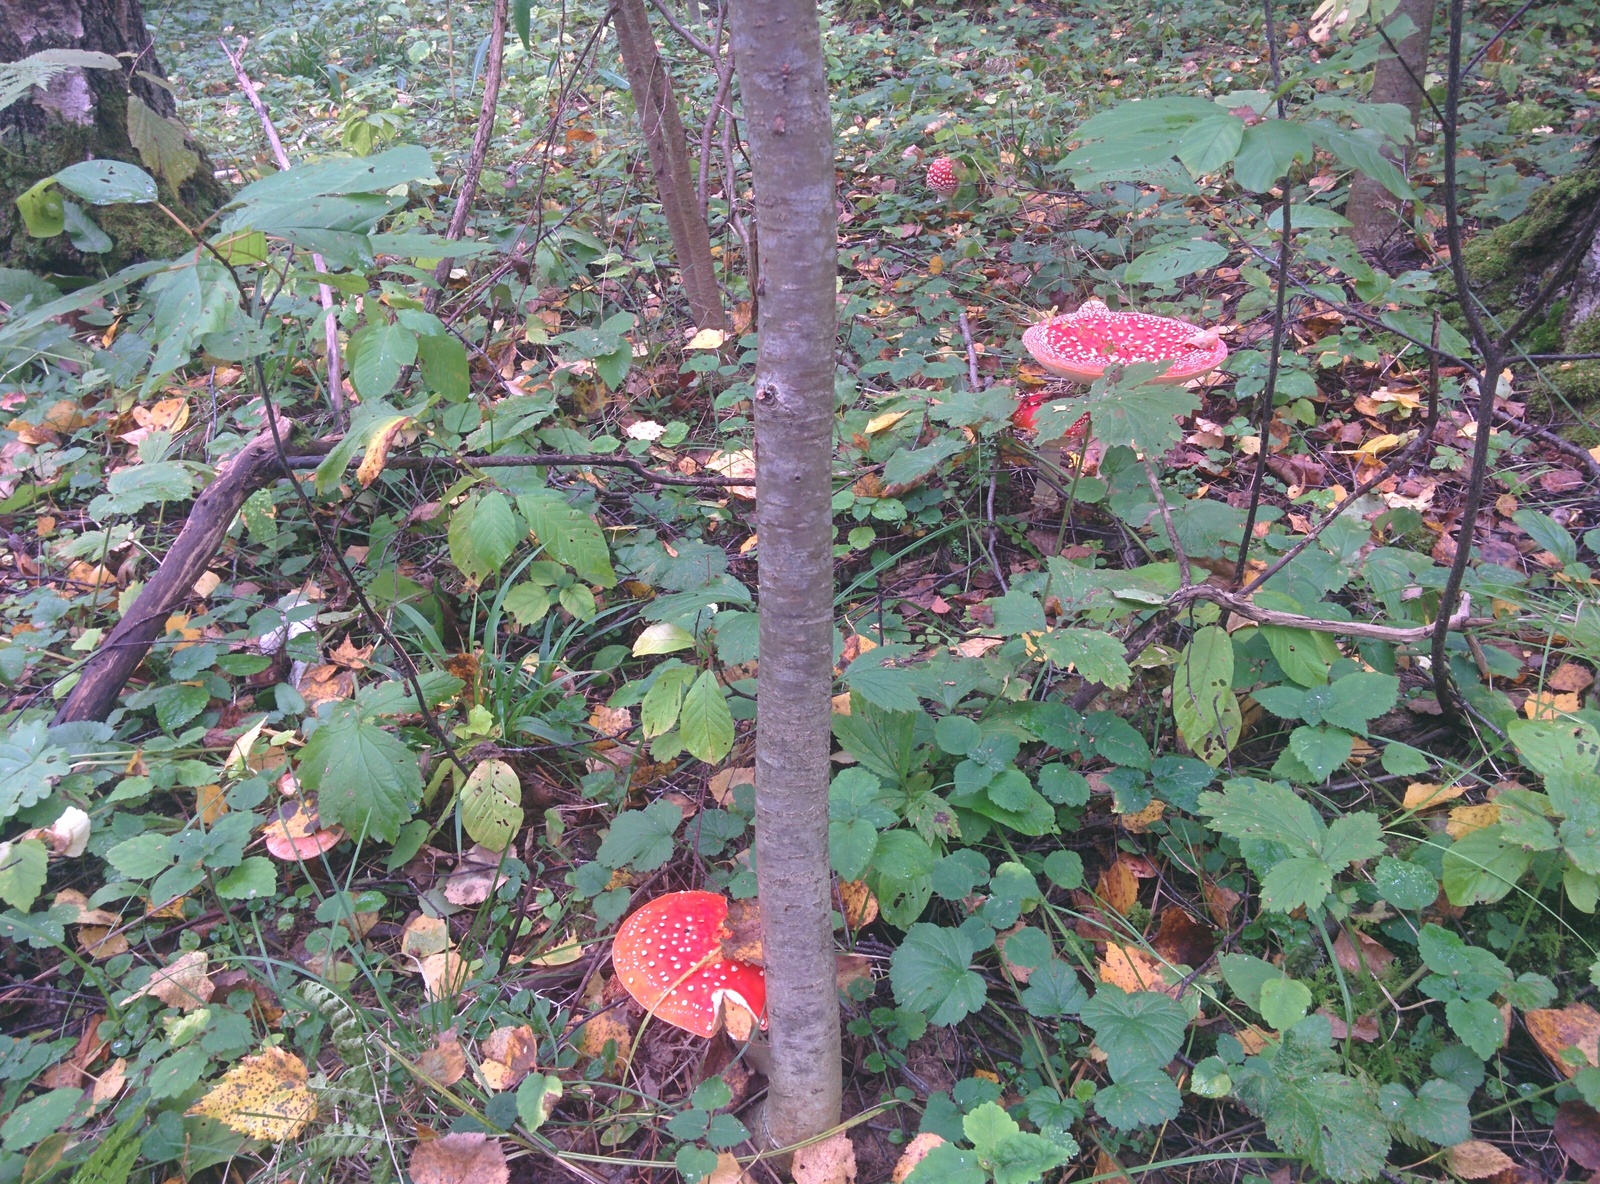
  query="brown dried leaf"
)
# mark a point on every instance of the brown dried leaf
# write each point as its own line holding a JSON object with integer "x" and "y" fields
{"x": 743, "y": 940}
{"x": 1569, "y": 676}
{"x": 724, "y": 780}
{"x": 832, "y": 1161}
{"x": 860, "y": 905}
{"x": 444, "y": 1064}
{"x": 109, "y": 1084}
{"x": 1578, "y": 1133}
{"x": 851, "y": 968}
{"x": 1221, "y": 902}
{"x": 1365, "y": 956}
{"x": 474, "y": 877}
{"x": 182, "y": 984}
{"x": 1118, "y": 887}
{"x": 507, "y": 1056}
{"x": 1556, "y": 1030}
{"x": 727, "y": 1171}
{"x": 1181, "y": 939}
{"x": 470, "y": 1158}
{"x": 1477, "y": 1160}
{"x": 1365, "y": 1030}
{"x": 324, "y": 684}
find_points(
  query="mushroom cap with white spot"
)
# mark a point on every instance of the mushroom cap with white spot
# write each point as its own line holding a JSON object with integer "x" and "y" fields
{"x": 1081, "y": 344}
{"x": 656, "y": 953}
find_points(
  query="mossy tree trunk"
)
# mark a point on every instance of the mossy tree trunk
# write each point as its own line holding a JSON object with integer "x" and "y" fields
{"x": 1507, "y": 265}
{"x": 83, "y": 114}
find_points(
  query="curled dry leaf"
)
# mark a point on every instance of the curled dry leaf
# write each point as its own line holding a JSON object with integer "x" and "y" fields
{"x": 740, "y": 464}
{"x": 70, "y": 1072}
{"x": 1364, "y": 957}
{"x": 1477, "y": 1160}
{"x": 445, "y": 1063}
{"x": 1118, "y": 887}
{"x": 475, "y": 877}
{"x": 1365, "y": 1029}
{"x": 109, "y": 1084}
{"x": 182, "y": 984}
{"x": 506, "y": 1056}
{"x": 860, "y": 906}
{"x": 832, "y": 1161}
{"x": 263, "y": 1096}
{"x": 1556, "y": 1030}
{"x": 916, "y": 1151}
{"x": 469, "y": 1158}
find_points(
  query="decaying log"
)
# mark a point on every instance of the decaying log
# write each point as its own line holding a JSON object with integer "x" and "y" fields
{"x": 111, "y": 665}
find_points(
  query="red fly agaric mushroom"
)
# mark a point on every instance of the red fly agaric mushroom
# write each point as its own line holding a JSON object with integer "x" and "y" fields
{"x": 942, "y": 178}
{"x": 668, "y": 956}
{"x": 294, "y": 835}
{"x": 1080, "y": 345}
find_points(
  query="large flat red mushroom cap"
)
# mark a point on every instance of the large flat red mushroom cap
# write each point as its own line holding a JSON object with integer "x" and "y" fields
{"x": 1081, "y": 344}
{"x": 662, "y": 941}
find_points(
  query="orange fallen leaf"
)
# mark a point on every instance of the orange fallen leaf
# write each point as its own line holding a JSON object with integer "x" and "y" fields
{"x": 1131, "y": 969}
{"x": 916, "y": 1151}
{"x": 1555, "y": 1030}
{"x": 1420, "y": 795}
{"x": 1477, "y": 1160}
{"x": 1118, "y": 887}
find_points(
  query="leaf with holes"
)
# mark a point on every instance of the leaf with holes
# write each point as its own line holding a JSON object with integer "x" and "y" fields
{"x": 1203, "y": 702}
{"x": 491, "y": 804}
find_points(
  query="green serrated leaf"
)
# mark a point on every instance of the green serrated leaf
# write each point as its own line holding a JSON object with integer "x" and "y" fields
{"x": 1142, "y": 1098}
{"x": 365, "y": 779}
{"x": 1094, "y": 655}
{"x": 484, "y": 531}
{"x": 705, "y": 724}
{"x": 930, "y": 972}
{"x": 569, "y": 535}
{"x": 1139, "y": 1030}
{"x": 641, "y": 839}
{"x": 1203, "y": 703}
{"x": 29, "y": 766}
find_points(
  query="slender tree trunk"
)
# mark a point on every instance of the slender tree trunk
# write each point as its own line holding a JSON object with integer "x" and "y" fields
{"x": 1394, "y": 80}
{"x": 657, "y": 105}
{"x": 85, "y": 112}
{"x": 778, "y": 51}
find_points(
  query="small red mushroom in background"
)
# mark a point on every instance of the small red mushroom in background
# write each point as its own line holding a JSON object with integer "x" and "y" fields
{"x": 943, "y": 177}
{"x": 668, "y": 956}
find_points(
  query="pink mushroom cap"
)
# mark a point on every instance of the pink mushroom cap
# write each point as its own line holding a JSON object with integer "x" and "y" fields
{"x": 1081, "y": 344}
{"x": 658, "y": 945}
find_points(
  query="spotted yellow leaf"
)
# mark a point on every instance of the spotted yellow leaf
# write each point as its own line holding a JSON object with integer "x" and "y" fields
{"x": 263, "y": 1096}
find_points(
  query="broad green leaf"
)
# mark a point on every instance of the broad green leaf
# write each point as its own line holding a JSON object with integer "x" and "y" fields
{"x": 365, "y": 779}
{"x": 1362, "y": 148}
{"x": 641, "y": 839}
{"x": 1481, "y": 867}
{"x": 1304, "y": 654}
{"x": 1303, "y": 881}
{"x": 705, "y": 723}
{"x": 161, "y": 143}
{"x": 1321, "y": 750}
{"x": 1352, "y": 838}
{"x": 107, "y": 182}
{"x": 131, "y": 489}
{"x": 1142, "y": 1030}
{"x": 444, "y": 366}
{"x": 658, "y": 711}
{"x": 254, "y": 879}
{"x": 901, "y": 876}
{"x": 569, "y": 535}
{"x": 1405, "y": 885}
{"x": 1053, "y": 990}
{"x": 1203, "y": 703}
{"x": 1012, "y": 1155}
{"x": 43, "y": 211}
{"x": 370, "y": 174}
{"x": 44, "y": 1115}
{"x": 930, "y": 972}
{"x": 528, "y": 603}
{"x": 491, "y": 804}
{"x": 1357, "y": 698}
{"x": 1284, "y": 1003}
{"x": 484, "y": 531}
{"x": 1143, "y": 417}
{"x": 1210, "y": 143}
{"x": 1438, "y": 1113}
{"x": 142, "y": 857}
{"x": 29, "y": 766}
{"x": 913, "y": 464}
{"x": 1094, "y": 655}
{"x": 1478, "y": 1023}
{"x": 23, "y": 868}
{"x": 892, "y": 688}
{"x": 537, "y": 1096}
{"x": 1246, "y": 976}
{"x": 948, "y": 1164}
{"x": 662, "y": 638}
{"x": 378, "y": 353}
{"x": 1266, "y": 151}
{"x": 1252, "y": 809}
{"x": 1144, "y": 1097}
{"x": 1173, "y": 261}
{"x": 179, "y": 703}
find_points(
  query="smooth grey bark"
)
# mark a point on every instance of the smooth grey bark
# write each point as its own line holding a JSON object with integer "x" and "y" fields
{"x": 778, "y": 54}
{"x": 1394, "y": 80}
{"x": 657, "y": 104}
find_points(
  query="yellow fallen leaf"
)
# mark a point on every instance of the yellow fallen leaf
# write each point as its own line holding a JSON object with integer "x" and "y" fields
{"x": 888, "y": 419}
{"x": 1548, "y": 705}
{"x": 263, "y": 1096}
{"x": 507, "y": 1056}
{"x": 1555, "y": 1030}
{"x": 210, "y": 803}
{"x": 603, "y": 1028}
{"x": 1422, "y": 794}
{"x": 832, "y": 1161}
{"x": 1131, "y": 969}
{"x": 1477, "y": 1160}
{"x": 1466, "y": 819}
{"x": 378, "y": 446}
{"x": 707, "y": 339}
